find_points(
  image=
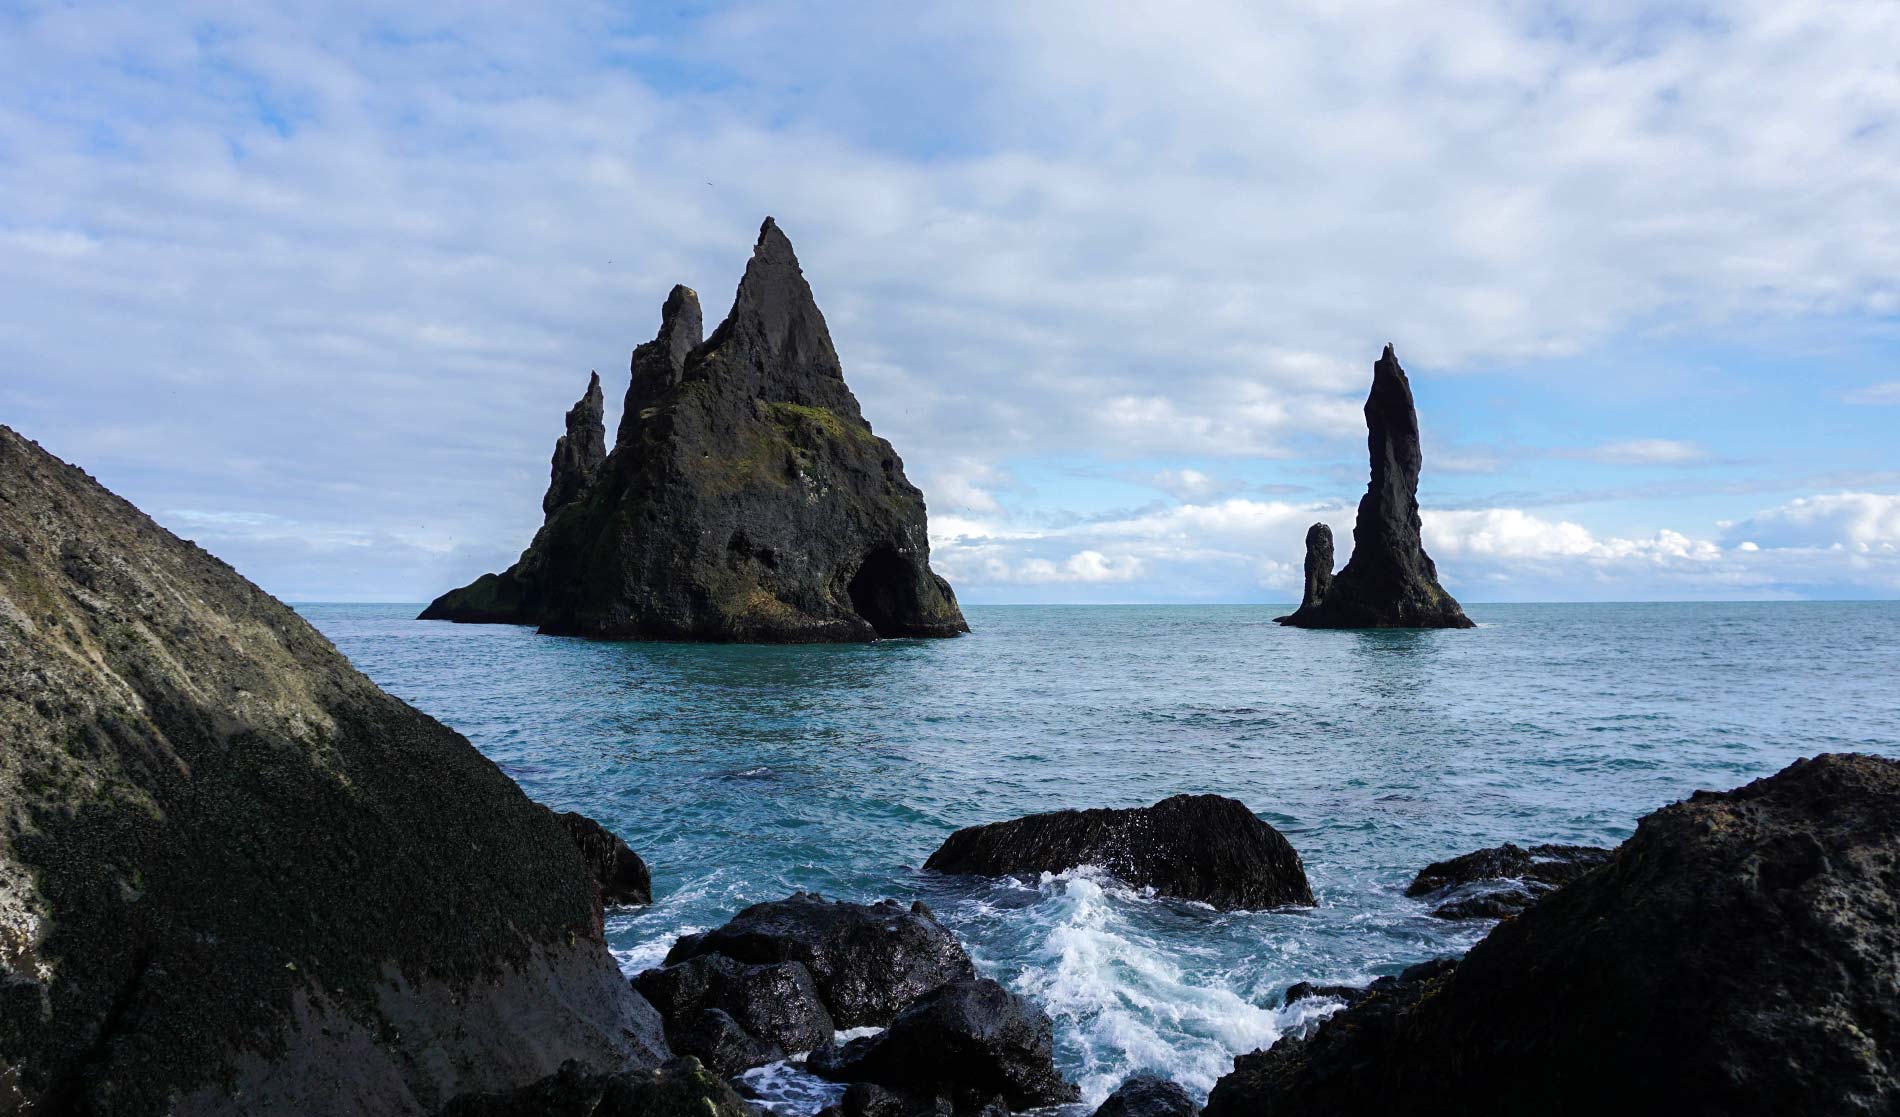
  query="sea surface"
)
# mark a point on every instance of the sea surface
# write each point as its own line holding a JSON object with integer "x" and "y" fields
{"x": 743, "y": 773}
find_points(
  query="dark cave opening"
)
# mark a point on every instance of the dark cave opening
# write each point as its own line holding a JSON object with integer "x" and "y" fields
{"x": 884, "y": 592}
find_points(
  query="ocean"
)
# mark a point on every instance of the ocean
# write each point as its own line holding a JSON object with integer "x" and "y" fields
{"x": 742, "y": 773}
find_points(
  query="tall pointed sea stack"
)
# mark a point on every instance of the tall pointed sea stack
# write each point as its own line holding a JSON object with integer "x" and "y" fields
{"x": 745, "y": 499}
{"x": 1390, "y": 581}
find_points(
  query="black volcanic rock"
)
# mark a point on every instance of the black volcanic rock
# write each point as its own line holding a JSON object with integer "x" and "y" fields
{"x": 969, "y": 1042}
{"x": 867, "y": 960}
{"x": 1148, "y": 1095}
{"x": 235, "y": 876}
{"x": 680, "y": 1088}
{"x": 1740, "y": 954}
{"x": 578, "y": 453}
{"x": 622, "y": 875}
{"x": 1193, "y": 847}
{"x": 1494, "y": 883}
{"x": 775, "y": 1002}
{"x": 746, "y": 498}
{"x": 1319, "y": 566}
{"x": 1390, "y": 581}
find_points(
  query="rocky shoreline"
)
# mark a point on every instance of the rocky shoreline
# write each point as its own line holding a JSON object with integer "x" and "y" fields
{"x": 238, "y": 877}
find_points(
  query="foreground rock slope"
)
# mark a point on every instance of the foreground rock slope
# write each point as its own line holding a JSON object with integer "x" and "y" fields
{"x": 235, "y": 876}
{"x": 1740, "y": 954}
{"x": 1390, "y": 582}
{"x": 1193, "y": 847}
{"x": 745, "y": 499}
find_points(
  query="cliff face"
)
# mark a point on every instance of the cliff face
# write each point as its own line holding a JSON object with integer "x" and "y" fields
{"x": 1390, "y": 581}
{"x": 745, "y": 499}
{"x": 234, "y": 874}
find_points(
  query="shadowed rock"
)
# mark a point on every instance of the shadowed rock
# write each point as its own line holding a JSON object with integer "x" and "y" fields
{"x": 1148, "y": 1095}
{"x": 1495, "y": 883}
{"x": 1740, "y": 954}
{"x": 971, "y": 1042}
{"x": 1319, "y": 566}
{"x": 1390, "y": 581}
{"x": 867, "y": 961}
{"x": 1194, "y": 847}
{"x": 746, "y": 498}
{"x": 681, "y": 1088}
{"x": 235, "y": 876}
{"x": 776, "y": 1003}
{"x": 579, "y": 452}
{"x": 622, "y": 876}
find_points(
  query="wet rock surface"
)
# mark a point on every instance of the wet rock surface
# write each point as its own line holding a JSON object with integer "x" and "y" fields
{"x": 1194, "y": 847}
{"x": 867, "y": 961}
{"x": 680, "y": 1088}
{"x": 1740, "y": 954}
{"x": 623, "y": 877}
{"x": 1499, "y": 882}
{"x": 1148, "y": 1095}
{"x": 774, "y": 1003}
{"x": 229, "y": 859}
{"x": 971, "y": 1043}
{"x": 745, "y": 499}
{"x": 1390, "y": 582}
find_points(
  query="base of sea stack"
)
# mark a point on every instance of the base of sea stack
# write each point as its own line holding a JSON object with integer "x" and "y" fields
{"x": 1331, "y": 614}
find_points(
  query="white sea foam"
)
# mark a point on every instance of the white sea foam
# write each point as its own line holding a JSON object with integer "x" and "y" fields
{"x": 1121, "y": 1001}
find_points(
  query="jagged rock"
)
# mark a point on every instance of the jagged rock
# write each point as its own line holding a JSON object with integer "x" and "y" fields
{"x": 1148, "y": 1095}
{"x": 622, "y": 876}
{"x": 680, "y": 1088}
{"x": 1306, "y": 990}
{"x": 1499, "y": 882}
{"x": 1740, "y": 954}
{"x": 1195, "y": 847}
{"x": 1319, "y": 566}
{"x": 969, "y": 1042}
{"x": 1390, "y": 581}
{"x": 868, "y": 1099}
{"x": 776, "y": 1002}
{"x": 719, "y": 1041}
{"x": 746, "y": 498}
{"x": 579, "y": 453}
{"x": 235, "y": 876}
{"x": 867, "y": 961}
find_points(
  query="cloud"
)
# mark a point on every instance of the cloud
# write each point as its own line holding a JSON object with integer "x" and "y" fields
{"x": 1644, "y": 451}
{"x": 1188, "y": 484}
{"x": 1865, "y": 523}
{"x": 1886, "y": 394}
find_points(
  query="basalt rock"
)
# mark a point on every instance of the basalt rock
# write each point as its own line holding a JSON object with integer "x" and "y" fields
{"x": 1306, "y": 990}
{"x": 723, "y": 1044}
{"x": 1319, "y": 566}
{"x": 680, "y": 1088}
{"x": 1193, "y": 847}
{"x": 970, "y": 1042}
{"x": 746, "y": 498}
{"x": 1740, "y": 954}
{"x": 1390, "y": 581}
{"x": 867, "y": 961}
{"x": 579, "y": 453}
{"x": 235, "y": 876}
{"x": 1495, "y": 883}
{"x": 621, "y": 874}
{"x": 1148, "y": 1095}
{"x": 776, "y": 1003}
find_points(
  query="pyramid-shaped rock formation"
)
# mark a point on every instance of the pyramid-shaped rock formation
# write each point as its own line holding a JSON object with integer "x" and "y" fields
{"x": 1390, "y": 581}
{"x": 745, "y": 499}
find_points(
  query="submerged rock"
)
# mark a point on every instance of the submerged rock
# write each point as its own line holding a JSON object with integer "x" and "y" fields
{"x": 680, "y": 1088}
{"x": 745, "y": 499}
{"x": 1194, "y": 847}
{"x": 867, "y": 961}
{"x": 1390, "y": 581}
{"x": 622, "y": 876}
{"x": 1740, "y": 954}
{"x": 1306, "y": 990}
{"x": 1148, "y": 1095}
{"x": 235, "y": 876}
{"x": 971, "y": 1043}
{"x": 1499, "y": 882}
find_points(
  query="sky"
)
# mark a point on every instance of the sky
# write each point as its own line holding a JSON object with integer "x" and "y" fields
{"x": 314, "y": 284}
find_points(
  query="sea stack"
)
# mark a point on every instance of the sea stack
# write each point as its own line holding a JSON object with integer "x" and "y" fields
{"x": 235, "y": 876}
{"x": 1390, "y": 581}
{"x": 746, "y": 498}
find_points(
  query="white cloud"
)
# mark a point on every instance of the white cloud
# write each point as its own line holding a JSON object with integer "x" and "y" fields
{"x": 1188, "y": 484}
{"x": 1886, "y": 394}
{"x": 1645, "y": 451}
{"x": 1865, "y": 523}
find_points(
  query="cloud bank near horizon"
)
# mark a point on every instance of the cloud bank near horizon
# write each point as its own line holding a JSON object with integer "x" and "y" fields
{"x": 316, "y": 293}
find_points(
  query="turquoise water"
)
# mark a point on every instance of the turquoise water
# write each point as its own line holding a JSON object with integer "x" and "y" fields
{"x": 742, "y": 773}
